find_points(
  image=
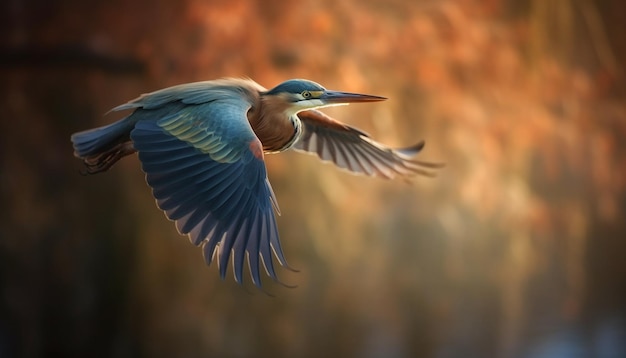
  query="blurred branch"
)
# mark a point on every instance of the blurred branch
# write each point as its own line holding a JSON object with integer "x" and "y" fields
{"x": 599, "y": 39}
{"x": 570, "y": 29}
{"x": 68, "y": 56}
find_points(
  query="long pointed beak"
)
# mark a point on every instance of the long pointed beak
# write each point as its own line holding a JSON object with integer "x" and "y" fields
{"x": 347, "y": 97}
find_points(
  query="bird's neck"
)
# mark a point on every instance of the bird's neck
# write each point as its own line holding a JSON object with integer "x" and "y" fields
{"x": 277, "y": 129}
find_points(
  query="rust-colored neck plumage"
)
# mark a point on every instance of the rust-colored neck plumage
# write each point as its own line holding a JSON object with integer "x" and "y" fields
{"x": 271, "y": 124}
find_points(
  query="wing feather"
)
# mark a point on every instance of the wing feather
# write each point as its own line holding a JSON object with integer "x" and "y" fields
{"x": 353, "y": 150}
{"x": 205, "y": 177}
{"x": 252, "y": 248}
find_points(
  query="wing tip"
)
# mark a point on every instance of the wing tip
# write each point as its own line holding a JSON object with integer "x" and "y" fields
{"x": 412, "y": 150}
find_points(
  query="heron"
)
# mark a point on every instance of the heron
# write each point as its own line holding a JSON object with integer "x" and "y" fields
{"x": 202, "y": 145}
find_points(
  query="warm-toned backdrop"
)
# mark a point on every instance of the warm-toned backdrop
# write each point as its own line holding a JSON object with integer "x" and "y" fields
{"x": 516, "y": 249}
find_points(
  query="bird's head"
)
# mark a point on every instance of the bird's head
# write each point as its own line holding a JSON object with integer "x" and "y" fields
{"x": 301, "y": 95}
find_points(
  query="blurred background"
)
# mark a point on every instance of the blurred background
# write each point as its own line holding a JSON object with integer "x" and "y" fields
{"x": 516, "y": 249}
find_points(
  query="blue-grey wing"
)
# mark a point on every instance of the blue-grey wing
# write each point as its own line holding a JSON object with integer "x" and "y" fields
{"x": 355, "y": 151}
{"x": 205, "y": 166}
{"x": 195, "y": 93}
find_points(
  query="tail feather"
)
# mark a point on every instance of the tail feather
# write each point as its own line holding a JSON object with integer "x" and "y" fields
{"x": 101, "y": 147}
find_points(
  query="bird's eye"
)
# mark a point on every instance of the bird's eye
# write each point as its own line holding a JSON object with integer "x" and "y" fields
{"x": 306, "y": 94}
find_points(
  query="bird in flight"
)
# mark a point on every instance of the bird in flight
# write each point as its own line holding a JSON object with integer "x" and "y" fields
{"x": 202, "y": 146}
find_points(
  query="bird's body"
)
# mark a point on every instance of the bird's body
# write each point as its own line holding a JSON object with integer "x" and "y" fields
{"x": 202, "y": 148}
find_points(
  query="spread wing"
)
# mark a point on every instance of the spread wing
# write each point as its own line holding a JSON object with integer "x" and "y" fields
{"x": 355, "y": 151}
{"x": 205, "y": 166}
